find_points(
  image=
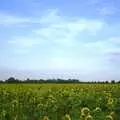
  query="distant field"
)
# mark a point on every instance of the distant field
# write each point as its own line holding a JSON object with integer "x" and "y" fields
{"x": 60, "y": 101}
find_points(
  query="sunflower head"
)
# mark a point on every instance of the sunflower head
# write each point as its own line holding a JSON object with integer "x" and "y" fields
{"x": 113, "y": 114}
{"x": 109, "y": 117}
{"x": 82, "y": 117}
{"x": 67, "y": 117}
{"x": 89, "y": 117}
{"x": 85, "y": 111}
{"x": 45, "y": 118}
{"x": 97, "y": 110}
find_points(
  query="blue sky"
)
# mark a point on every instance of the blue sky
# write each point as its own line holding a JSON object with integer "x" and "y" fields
{"x": 77, "y": 39}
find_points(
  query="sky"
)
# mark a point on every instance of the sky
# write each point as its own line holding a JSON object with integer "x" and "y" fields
{"x": 60, "y": 38}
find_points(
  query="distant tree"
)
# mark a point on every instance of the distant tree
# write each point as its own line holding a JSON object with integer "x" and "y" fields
{"x": 11, "y": 80}
{"x": 118, "y": 81}
{"x": 1, "y": 81}
{"x": 106, "y": 82}
{"x": 113, "y": 81}
{"x": 28, "y": 79}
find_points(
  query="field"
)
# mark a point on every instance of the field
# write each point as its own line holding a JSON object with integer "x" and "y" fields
{"x": 60, "y": 102}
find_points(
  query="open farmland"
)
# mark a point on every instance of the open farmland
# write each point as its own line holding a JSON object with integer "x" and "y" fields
{"x": 59, "y": 101}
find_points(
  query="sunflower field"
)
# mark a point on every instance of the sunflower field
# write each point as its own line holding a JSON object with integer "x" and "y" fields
{"x": 59, "y": 102}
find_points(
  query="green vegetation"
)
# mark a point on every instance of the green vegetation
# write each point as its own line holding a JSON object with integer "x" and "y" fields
{"x": 59, "y": 101}
{"x": 57, "y": 81}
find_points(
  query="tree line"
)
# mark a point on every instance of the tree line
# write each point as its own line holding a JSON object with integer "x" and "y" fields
{"x": 56, "y": 81}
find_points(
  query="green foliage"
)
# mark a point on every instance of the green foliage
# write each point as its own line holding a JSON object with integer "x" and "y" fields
{"x": 59, "y": 102}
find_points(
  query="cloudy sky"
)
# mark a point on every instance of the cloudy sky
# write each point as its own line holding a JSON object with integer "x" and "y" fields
{"x": 70, "y": 38}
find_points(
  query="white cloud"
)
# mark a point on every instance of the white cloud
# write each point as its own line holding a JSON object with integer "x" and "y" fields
{"x": 115, "y": 40}
{"x": 106, "y": 11}
{"x": 100, "y": 45}
{"x": 63, "y": 30}
{"x": 10, "y": 20}
{"x": 50, "y": 16}
{"x": 24, "y": 42}
{"x": 7, "y": 20}
{"x": 113, "y": 51}
{"x": 58, "y": 30}
{"x": 23, "y": 45}
{"x": 61, "y": 63}
{"x": 103, "y": 47}
{"x": 21, "y": 51}
{"x": 80, "y": 25}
